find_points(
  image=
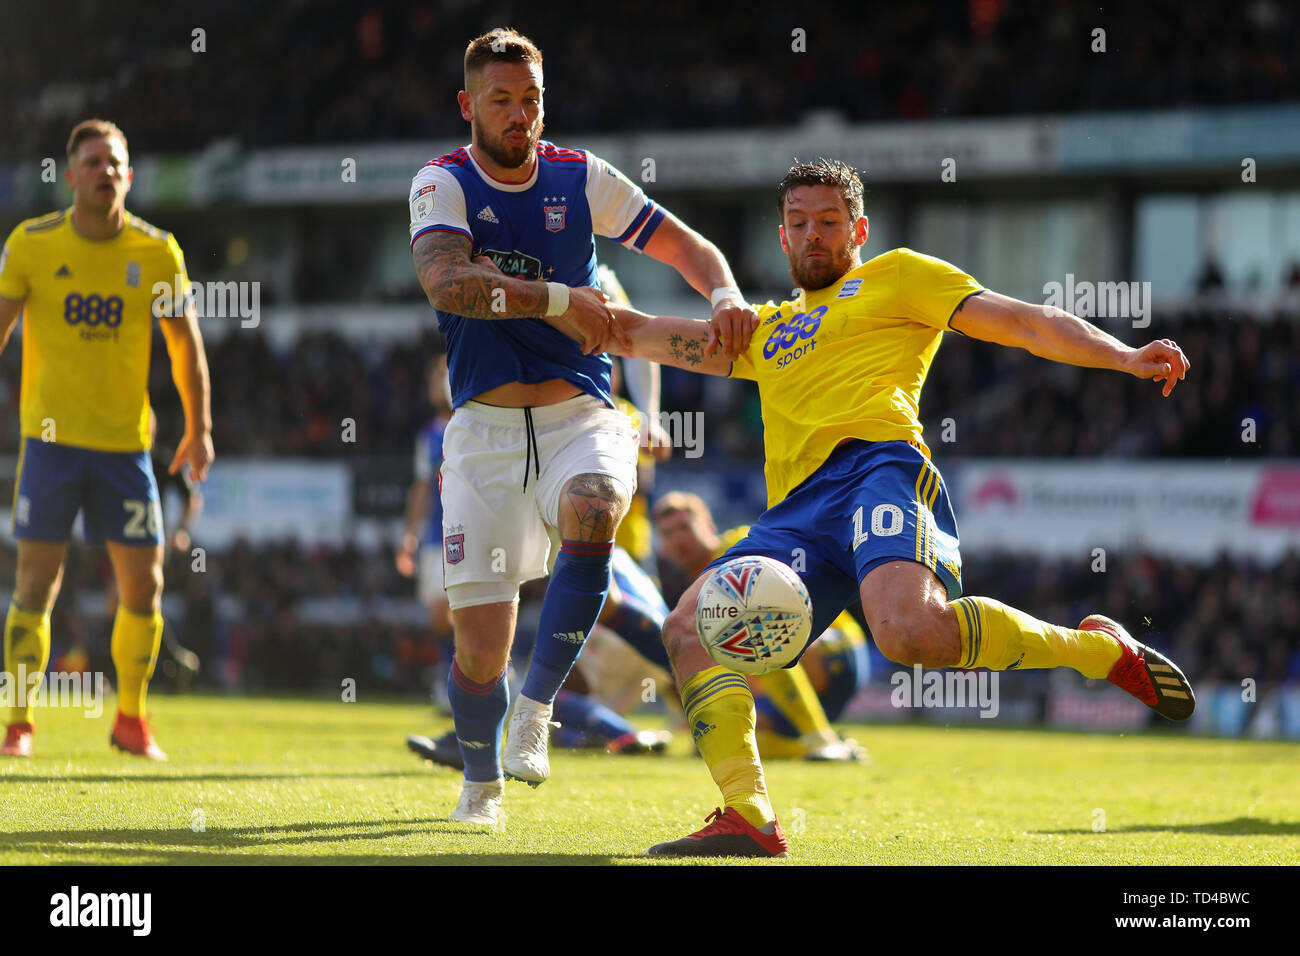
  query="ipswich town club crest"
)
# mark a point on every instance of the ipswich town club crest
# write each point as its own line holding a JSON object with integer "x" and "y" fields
{"x": 455, "y": 548}
{"x": 554, "y": 217}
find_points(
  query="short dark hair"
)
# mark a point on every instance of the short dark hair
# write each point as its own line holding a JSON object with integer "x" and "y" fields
{"x": 502, "y": 45}
{"x": 824, "y": 172}
{"x": 93, "y": 129}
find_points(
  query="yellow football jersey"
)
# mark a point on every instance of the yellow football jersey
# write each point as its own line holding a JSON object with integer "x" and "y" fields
{"x": 728, "y": 539}
{"x": 849, "y": 360}
{"x": 88, "y": 325}
{"x": 634, "y": 534}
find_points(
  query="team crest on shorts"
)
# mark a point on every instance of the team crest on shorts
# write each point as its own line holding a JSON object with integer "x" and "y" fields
{"x": 455, "y": 548}
{"x": 554, "y": 217}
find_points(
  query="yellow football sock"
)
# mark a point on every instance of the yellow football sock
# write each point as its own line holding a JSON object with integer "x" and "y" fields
{"x": 999, "y": 637}
{"x": 791, "y": 693}
{"x": 135, "y": 651}
{"x": 27, "y": 646}
{"x": 774, "y": 746}
{"x": 720, "y": 713}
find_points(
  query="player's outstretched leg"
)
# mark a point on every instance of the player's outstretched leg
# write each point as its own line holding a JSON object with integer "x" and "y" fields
{"x": 590, "y": 508}
{"x": 720, "y": 712}
{"x": 1146, "y": 673}
{"x": 913, "y": 623}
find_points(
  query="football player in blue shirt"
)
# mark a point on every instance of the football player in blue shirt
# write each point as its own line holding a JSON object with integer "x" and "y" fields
{"x": 502, "y": 235}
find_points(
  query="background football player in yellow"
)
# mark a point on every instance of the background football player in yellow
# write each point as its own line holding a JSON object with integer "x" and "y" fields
{"x": 793, "y": 704}
{"x": 84, "y": 279}
{"x": 849, "y": 479}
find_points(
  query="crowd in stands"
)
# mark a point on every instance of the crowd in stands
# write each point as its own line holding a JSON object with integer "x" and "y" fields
{"x": 1002, "y": 402}
{"x": 290, "y": 73}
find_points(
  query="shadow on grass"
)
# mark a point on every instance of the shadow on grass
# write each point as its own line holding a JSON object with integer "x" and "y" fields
{"x": 219, "y": 846}
{"x": 1241, "y": 826}
{"x": 199, "y": 777}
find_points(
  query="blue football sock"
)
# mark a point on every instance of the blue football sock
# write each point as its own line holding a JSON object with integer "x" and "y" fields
{"x": 642, "y": 628}
{"x": 582, "y": 715}
{"x": 480, "y": 714}
{"x": 574, "y": 597}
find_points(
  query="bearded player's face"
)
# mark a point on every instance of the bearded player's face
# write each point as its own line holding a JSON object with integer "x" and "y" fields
{"x": 507, "y": 111}
{"x": 818, "y": 235}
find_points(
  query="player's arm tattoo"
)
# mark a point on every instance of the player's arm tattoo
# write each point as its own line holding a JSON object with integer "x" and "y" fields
{"x": 593, "y": 506}
{"x": 687, "y": 350}
{"x": 455, "y": 284}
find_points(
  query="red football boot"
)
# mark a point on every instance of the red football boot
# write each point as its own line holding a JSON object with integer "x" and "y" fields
{"x": 1146, "y": 673}
{"x": 18, "y": 741}
{"x": 132, "y": 735}
{"x": 729, "y": 834}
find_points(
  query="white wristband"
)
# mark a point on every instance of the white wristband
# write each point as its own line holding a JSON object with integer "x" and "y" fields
{"x": 558, "y": 298}
{"x": 724, "y": 292}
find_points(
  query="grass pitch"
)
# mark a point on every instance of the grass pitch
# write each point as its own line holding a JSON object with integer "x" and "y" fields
{"x": 254, "y": 781}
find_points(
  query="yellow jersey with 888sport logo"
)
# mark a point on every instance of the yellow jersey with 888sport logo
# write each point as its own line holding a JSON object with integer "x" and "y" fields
{"x": 849, "y": 360}
{"x": 88, "y": 327}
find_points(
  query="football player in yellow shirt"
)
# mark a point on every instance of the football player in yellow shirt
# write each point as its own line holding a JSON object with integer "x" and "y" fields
{"x": 850, "y": 482}
{"x": 84, "y": 278}
{"x": 792, "y": 713}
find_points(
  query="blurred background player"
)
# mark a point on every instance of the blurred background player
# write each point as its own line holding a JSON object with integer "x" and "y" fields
{"x": 420, "y": 554}
{"x": 85, "y": 277}
{"x": 794, "y": 705}
{"x": 634, "y": 385}
{"x": 502, "y": 234}
{"x": 850, "y": 483}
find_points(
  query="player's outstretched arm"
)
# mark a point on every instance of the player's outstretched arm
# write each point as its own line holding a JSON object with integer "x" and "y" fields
{"x": 10, "y": 309}
{"x": 1054, "y": 334}
{"x": 705, "y": 269}
{"x": 670, "y": 340}
{"x": 190, "y": 373}
{"x": 477, "y": 289}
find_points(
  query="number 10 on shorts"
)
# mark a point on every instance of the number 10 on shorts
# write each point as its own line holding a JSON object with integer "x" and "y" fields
{"x": 886, "y": 520}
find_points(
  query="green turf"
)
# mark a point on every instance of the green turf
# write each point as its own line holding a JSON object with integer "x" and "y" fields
{"x": 295, "y": 781}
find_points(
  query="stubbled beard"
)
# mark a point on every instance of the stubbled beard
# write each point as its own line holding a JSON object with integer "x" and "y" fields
{"x": 827, "y": 270}
{"x": 501, "y": 152}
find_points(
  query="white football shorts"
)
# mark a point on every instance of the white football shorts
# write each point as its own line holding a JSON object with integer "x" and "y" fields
{"x": 501, "y": 483}
{"x": 429, "y": 582}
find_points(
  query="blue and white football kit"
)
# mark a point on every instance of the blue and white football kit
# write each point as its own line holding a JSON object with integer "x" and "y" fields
{"x": 504, "y": 469}
{"x": 501, "y": 478}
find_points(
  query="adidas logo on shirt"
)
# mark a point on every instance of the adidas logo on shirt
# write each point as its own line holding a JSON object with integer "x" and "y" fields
{"x": 63, "y": 273}
{"x": 487, "y": 215}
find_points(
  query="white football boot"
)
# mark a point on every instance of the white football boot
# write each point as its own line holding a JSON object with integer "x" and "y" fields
{"x": 525, "y": 755}
{"x": 480, "y": 802}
